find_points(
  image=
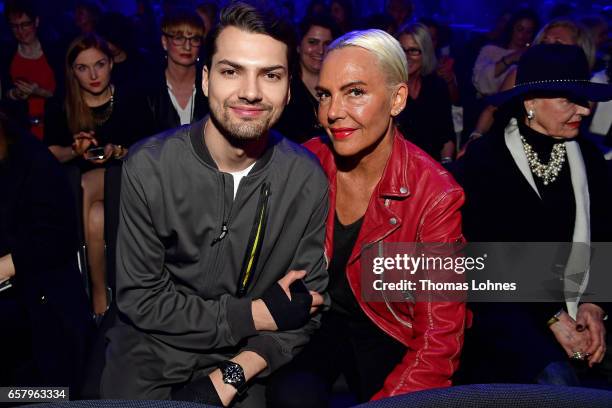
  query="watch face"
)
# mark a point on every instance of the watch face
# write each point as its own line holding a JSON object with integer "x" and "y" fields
{"x": 232, "y": 374}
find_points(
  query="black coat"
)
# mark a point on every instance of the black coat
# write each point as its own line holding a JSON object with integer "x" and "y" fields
{"x": 38, "y": 227}
{"x": 160, "y": 112}
{"x": 510, "y": 342}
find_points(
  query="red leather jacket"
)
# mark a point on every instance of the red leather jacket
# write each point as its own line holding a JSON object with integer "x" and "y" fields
{"x": 416, "y": 200}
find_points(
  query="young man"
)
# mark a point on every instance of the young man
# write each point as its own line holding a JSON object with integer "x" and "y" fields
{"x": 218, "y": 220}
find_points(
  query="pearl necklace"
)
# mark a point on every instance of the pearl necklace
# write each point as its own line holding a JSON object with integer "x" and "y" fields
{"x": 547, "y": 172}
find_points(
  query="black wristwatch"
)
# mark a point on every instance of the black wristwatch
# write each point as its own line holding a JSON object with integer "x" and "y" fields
{"x": 233, "y": 374}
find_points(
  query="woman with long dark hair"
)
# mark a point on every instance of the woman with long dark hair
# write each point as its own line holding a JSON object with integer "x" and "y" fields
{"x": 92, "y": 130}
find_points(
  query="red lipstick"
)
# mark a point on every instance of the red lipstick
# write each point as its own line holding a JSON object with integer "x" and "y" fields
{"x": 342, "y": 133}
{"x": 95, "y": 84}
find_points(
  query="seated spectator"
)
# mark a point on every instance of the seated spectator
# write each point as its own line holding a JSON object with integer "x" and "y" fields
{"x": 132, "y": 69}
{"x": 208, "y": 12}
{"x": 316, "y": 7}
{"x": 383, "y": 349}
{"x": 427, "y": 119}
{"x": 176, "y": 97}
{"x": 538, "y": 180}
{"x": 602, "y": 118}
{"x": 95, "y": 114}
{"x": 401, "y": 12}
{"x": 598, "y": 28}
{"x": 299, "y": 120}
{"x": 342, "y": 13}
{"x": 45, "y": 319}
{"x": 560, "y": 31}
{"x": 87, "y": 13}
{"x": 30, "y": 66}
{"x": 446, "y": 63}
{"x": 496, "y": 60}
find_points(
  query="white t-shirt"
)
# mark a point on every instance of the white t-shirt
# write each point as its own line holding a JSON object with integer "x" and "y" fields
{"x": 238, "y": 175}
{"x": 483, "y": 77}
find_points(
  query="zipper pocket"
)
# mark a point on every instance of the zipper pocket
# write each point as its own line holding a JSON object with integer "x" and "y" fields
{"x": 256, "y": 238}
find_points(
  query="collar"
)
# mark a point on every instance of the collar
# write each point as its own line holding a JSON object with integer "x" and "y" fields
{"x": 579, "y": 255}
{"x": 394, "y": 182}
{"x": 196, "y": 135}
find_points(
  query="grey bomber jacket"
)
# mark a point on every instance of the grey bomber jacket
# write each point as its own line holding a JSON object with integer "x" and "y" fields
{"x": 183, "y": 239}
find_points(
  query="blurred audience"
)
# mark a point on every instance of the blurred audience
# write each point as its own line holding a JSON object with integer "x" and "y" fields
{"x": 30, "y": 68}
{"x": 45, "y": 319}
{"x": 175, "y": 97}
{"x": 495, "y": 61}
{"x": 94, "y": 114}
{"x": 299, "y": 119}
{"x": 342, "y": 13}
{"x": 427, "y": 119}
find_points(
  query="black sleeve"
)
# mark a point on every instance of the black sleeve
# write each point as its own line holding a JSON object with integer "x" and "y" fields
{"x": 56, "y": 125}
{"x": 47, "y": 236}
{"x": 442, "y": 119}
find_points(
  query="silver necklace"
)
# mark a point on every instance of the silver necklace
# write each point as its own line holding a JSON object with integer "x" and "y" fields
{"x": 547, "y": 172}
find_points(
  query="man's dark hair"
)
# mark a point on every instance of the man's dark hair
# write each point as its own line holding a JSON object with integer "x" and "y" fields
{"x": 19, "y": 7}
{"x": 256, "y": 18}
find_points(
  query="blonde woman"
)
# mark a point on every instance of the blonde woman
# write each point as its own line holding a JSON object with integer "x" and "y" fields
{"x": 382, "y": 189}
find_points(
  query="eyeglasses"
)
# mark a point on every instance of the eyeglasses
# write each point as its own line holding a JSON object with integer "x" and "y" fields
{"x": 178, "y": 40}
{"x": 22, "y": 26}
{"x": 413, "y": 52}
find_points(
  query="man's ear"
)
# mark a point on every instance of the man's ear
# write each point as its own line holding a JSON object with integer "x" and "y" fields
{"x": 205, "y": 80}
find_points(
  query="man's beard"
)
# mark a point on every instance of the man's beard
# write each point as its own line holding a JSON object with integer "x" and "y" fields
{"x": 244, "y": 130}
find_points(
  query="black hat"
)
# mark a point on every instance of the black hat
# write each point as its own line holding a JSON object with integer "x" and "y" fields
{"x": 554, "y": 68}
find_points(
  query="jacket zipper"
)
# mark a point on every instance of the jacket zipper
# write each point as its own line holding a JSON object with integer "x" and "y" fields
{"x": 225, "y": 222}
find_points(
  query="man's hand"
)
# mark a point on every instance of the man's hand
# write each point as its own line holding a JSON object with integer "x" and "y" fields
{"x": 568, "y": 337}
{"x": 590, "y": 320}
{"x": 261, "y": 314}
{"x": 252, "y": 364}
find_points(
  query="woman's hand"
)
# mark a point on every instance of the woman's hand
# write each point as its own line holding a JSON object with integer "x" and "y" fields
{"x": 82, "y": 142}
{"x": 590, "y": 320}
{"x": 26, "y": 88}
{"x": 109, "y": 151}
{"x": 568, "y": 337}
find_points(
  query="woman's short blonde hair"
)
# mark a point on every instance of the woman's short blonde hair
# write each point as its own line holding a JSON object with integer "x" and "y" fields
{"x": 422, "y": 38}
{"x": 182, "y": 21}
{"x": 387, "y": 50}
{"x": 581, "y": 36}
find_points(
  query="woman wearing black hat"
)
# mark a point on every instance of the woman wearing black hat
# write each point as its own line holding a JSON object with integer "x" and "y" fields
{"x": 539, "y": 181}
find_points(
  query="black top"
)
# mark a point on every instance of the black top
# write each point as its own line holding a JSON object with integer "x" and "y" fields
{"x": 427, "y": 121}
{"x": 38, "y": 227}
{"x": 299, "y": 120}
{"x": 558, "y": 199}
{"x": 343, "y": 299}
{"x": 161, "y": 114}
{"x": 501, "y": 206}
{"x": 125, "y": 125}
